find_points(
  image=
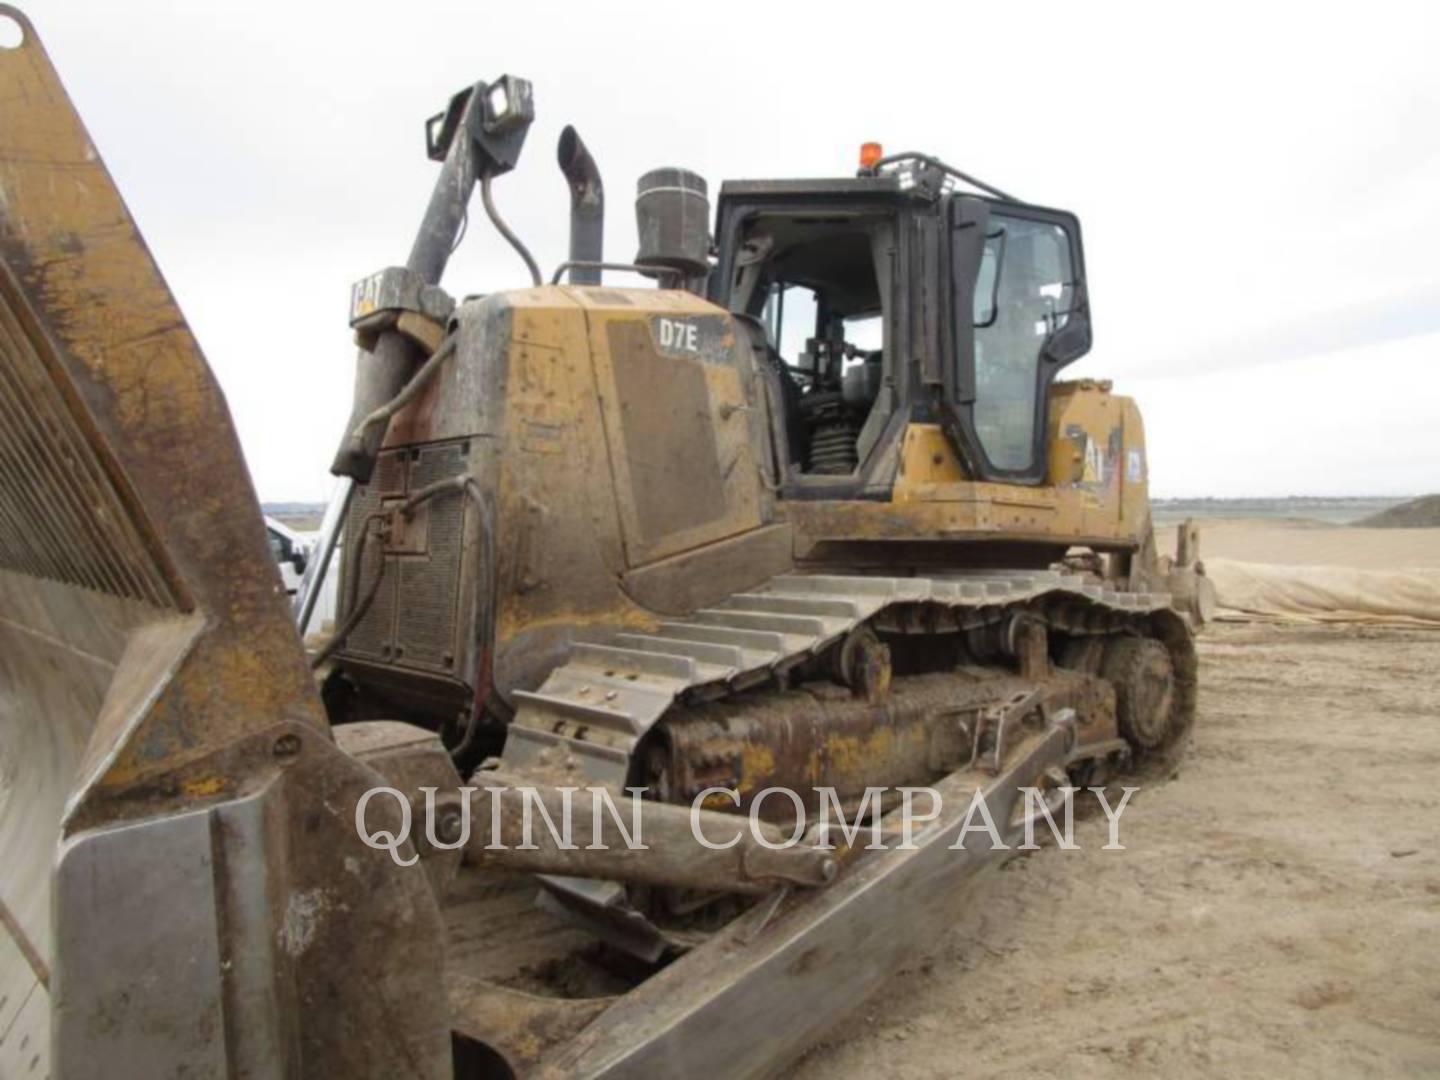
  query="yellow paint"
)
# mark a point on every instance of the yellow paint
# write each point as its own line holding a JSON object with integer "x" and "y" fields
{"x": 758, "y": 763}
{"x": 927, "y": 458}
{"x": 624, "y": 616}
{"x": 566, "y": 500}
{"x": 200, "y": 787}
{"x": 846, "y": 754}
{"x": 933, "y": 499}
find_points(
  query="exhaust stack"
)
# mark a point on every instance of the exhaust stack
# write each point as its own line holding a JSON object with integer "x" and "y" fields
{"x": 587, "y": 207}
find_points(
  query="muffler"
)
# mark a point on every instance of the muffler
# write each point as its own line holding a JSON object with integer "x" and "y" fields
{"x": 587, "y": 207}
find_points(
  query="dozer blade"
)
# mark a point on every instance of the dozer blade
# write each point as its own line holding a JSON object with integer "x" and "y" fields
{"x": 182, "y": 890}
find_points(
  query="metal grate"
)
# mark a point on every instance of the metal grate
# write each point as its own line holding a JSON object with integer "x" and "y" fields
{"x": 429, "y": 583}
{"x": 377, "y": 630}
{"x": 61, "y": 516}
{"x": 412, "y": 620}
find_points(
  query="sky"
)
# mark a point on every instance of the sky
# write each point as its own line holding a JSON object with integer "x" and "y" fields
{"x": 1259, "y": 185}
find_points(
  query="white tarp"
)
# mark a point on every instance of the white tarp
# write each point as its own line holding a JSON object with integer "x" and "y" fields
{"x": 1326, "y": 593}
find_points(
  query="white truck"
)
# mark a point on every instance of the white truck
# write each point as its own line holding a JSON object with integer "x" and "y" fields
{"x": 291, "y": 551}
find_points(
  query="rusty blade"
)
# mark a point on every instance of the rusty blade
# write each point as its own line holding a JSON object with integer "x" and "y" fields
{"x": 145, "y": 642}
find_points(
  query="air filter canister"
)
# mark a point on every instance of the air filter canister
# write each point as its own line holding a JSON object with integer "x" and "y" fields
{"x": 672, "y": 212}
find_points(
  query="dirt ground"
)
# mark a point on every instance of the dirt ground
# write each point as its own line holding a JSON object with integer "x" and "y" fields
{"x": 1303, "y": 542}
{"x": 1276, "y": 911}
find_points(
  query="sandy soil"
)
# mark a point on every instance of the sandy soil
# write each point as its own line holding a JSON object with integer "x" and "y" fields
{"x": 1303, "y": 542}
{"x": 1276, "y": 912}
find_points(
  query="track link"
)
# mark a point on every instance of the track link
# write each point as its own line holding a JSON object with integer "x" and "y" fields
{"x": 615, "y": 688}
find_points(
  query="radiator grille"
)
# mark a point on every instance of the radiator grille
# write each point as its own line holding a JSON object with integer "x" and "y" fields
{"x": 425, "y": 623}
{"x": 412, "y": 621}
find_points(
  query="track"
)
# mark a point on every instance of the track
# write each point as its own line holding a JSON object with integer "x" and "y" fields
{"x": 614, "y": 689}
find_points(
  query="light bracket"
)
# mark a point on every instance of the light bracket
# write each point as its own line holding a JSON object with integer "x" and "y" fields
{"x": 501, "y": 115}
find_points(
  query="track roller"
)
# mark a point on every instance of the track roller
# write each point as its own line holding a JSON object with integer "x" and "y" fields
{"x": 1143, "y": 675}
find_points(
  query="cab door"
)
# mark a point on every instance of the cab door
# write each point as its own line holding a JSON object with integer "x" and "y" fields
{"x": 1018, "y": 315}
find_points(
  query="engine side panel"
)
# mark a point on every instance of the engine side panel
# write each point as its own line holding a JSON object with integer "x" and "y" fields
{"x": 619, "y": 431}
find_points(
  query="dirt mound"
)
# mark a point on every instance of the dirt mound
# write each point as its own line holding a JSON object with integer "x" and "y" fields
{"x": 1421, "y": 513}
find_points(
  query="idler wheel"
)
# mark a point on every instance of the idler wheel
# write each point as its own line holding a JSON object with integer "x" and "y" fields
{"x": 1145, "y": 693}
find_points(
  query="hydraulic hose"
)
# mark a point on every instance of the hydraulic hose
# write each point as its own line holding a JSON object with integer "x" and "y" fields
{"x": 484, "y": 618}
{"x": 357, "y": 610}
{"x": 411, "y": 389}
{"x": 504, "y": 230}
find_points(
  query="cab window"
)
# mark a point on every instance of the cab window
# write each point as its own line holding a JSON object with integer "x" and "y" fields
{"x": 815, "y": 282}
{"x": 1024, "y": 292}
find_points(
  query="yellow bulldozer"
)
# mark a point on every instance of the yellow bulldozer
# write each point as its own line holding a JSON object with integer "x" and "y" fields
{"x": 804, "y": 527}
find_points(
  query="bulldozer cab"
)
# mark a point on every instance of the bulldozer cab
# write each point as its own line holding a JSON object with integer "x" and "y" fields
{"x": 893, "y": 299}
